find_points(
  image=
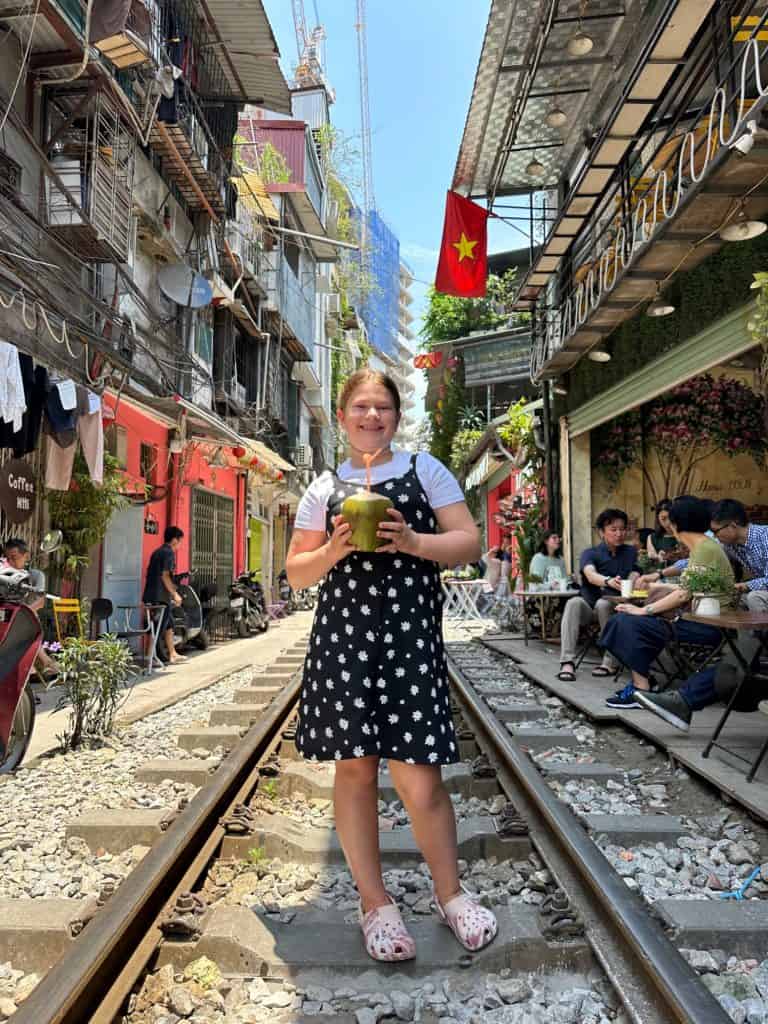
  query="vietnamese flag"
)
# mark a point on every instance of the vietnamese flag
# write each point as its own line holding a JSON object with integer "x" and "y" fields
{"x": 463, "y": 264}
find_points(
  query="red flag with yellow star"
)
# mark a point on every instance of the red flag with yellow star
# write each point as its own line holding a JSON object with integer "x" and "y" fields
{"x": 463, "y": 265}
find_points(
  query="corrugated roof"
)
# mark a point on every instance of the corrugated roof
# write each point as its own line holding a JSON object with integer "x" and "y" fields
{"x": 253, "y": 193}
{"x": 248, "y": 52}
{"x": 520, "y": 77}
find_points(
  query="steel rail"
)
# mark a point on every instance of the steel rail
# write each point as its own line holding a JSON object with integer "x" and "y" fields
{"x": 93, "y": 978}
{"x": 676, "y": 988}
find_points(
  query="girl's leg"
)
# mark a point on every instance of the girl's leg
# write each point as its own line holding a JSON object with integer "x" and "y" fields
{"x": 356, "y": 801}
{"x": 433, "y": 822}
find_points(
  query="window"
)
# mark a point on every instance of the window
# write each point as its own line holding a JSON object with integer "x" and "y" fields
{"x": 292, "y": 257}
{"x": 148, "y": 463}
{"x": 116, "y": 443}
{"x": 10, "y": 175}
{"x": 204, "y": 336}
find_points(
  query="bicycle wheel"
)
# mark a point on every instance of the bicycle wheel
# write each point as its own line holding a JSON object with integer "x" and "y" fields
{"x": 21, "y": 733}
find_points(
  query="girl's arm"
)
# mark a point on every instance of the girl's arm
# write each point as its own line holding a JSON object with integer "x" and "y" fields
{"x": 312, "y": 554}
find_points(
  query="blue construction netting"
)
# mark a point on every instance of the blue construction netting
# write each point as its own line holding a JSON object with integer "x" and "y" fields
{"x": 379, "y": 309}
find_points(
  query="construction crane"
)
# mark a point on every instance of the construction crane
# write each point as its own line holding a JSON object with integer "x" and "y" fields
{"x": 311, "y": 49}
{"x": 369, "y": 201}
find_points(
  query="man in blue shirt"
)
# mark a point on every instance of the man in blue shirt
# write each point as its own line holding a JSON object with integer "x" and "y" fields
{"x": 746, "y": 543}
{"x": 602, "y": 568}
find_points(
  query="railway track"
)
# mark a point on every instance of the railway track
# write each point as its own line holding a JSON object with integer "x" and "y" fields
{"x": 243, "y": 910}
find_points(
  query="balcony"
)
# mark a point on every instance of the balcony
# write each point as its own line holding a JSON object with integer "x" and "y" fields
{"x": 287, "y": 300}
{"x": 286, "y": 154}
{"x": 93, "y": 153}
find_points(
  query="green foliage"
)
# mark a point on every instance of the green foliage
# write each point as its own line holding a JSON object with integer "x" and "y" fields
{"x": 257, "y": 855}
{"x": 528, "y": 533}
{"x": 94, "y": 676}
{"x": 707, "y": 580}
{"x": 450, "y": 317}
{"x": 444, "y": 432}
{"x": 517, "y": 430}
{"x": 83, "y": 513}
{"x": 273, "y": 167}
{"x": 471, "y": 418}
{"x": 463, "y": 443}
{"x": 717, "y": 286}
{"x": 268, "y": 789}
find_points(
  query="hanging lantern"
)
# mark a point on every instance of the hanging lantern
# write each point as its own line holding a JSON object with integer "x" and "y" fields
{"x": 438, "y": 358}
{"x": 453, "y": 361}
{"x": 439, "y": 403}
{"x": 238, "y": 451}
{"x": 441, "y": 391}
{"x": 438, "y": 418}
{"x": 280, "y": 474}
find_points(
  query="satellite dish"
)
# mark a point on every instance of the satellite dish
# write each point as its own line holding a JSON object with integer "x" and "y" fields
{"x": 184, "y": 286}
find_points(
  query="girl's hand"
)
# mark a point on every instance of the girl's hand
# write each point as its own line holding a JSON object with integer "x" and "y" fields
{"x": 399, "y": 534}
{"x": 340, "y": 544}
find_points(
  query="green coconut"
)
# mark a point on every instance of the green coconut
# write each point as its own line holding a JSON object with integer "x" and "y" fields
{"x": 364, "y": 511}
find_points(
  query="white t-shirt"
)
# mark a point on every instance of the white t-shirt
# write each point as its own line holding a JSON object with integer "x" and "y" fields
{"x": 440, "y": 485}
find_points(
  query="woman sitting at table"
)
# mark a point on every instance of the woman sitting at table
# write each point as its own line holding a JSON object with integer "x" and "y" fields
{"x": 637, "y": 635}
{"x": 548, "y": 558}
{"x": 662, "y": 543}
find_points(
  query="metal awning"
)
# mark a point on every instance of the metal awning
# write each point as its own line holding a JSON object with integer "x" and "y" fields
{"x": 252, "y": 192}
{"x": 524, "y": 71}
{"x": 259, "y": 450}
{"x": 482, "y": 470}
{"x": 248, "y": 52}
{"x": 204, "y": 424}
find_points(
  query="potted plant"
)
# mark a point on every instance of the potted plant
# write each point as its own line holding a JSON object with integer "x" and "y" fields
{"x": 709, "y": 588}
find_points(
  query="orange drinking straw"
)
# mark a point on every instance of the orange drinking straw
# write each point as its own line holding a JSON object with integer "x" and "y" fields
{"x": 368, "y": 459}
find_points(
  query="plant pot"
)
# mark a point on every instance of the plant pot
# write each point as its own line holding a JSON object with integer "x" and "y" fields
{"x": 705, "y": 604}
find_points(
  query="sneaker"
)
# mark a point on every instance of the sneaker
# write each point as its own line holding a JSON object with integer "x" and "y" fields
{"x": 668, "y": 705}
{"x": 624, "y": 699}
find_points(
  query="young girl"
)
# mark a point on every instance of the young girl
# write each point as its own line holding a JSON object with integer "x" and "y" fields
{"x": 375, "y": 680}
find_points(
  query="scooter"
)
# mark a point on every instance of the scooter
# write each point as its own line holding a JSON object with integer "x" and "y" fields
{"x": 285, "y": 592}
{"x": 189, "y": 626}
{"x": 21, "y": 637}
{"x": 304, "y": 600}
{"x": 247, "y": 604}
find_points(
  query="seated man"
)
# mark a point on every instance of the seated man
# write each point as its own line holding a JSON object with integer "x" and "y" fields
{"x": 636, "y": 636}
{"x": 747, "y": 543}
{"x": 16, "y": 556}
{"x": 602, "y": 569}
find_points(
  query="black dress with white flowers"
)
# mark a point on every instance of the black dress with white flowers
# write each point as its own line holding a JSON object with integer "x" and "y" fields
{"x": 375, "y": 678}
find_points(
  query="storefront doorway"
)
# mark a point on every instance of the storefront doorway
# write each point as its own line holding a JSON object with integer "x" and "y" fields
{"x": 121, "y": 580}
{"x": 211, "y": 556}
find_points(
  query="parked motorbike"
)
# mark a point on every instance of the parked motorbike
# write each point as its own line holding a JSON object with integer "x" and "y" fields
{"x": 285, "y": 592}
{"x": 21, "y": 637}
{"x": 305, "y": 600}
{"x": 189, "y": 625}
{"x": 247, "y": 604}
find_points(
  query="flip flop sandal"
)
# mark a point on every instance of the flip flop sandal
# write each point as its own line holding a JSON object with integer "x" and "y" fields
{"x": 567, "y": 675}
{"x": 601, "y": 672}
{"x": 386, "y": 937}
{"x": 474, "y": 926}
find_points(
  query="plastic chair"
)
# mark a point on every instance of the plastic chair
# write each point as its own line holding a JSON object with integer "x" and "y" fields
{"x": 101, "y": 612}
{"x": 63, "y": 607}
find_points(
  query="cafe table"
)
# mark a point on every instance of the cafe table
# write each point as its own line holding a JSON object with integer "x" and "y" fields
{"x": 548, "y": 601}
{"x": 730, "y": 623}
{"x": 461, "y": 597}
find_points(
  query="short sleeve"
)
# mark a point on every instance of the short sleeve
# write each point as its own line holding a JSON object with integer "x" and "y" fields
{"x": 310, "y": 515}
{"x": 440, "y": 485}
{"x": 168, "y": 564}
{"x": 587, "y": 558}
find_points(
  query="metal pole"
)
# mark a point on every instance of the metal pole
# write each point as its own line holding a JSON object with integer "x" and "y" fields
{"x": 549, "y": 455}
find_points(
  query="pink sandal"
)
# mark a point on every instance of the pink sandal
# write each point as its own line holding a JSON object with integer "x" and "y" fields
{"x": 474, "y": 926}
{"x": 385, "y": 934}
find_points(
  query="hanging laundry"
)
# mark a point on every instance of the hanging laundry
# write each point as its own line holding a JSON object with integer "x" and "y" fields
{"x": 67, "y": 393}
{"x": 12, "y": 400}
{"x": 90, "y": 430}
{"x": 59, "y": 463}
{"x": 59, "y": 422}
{"x": 25, "y": 440}
{"x": 108, "y": 18}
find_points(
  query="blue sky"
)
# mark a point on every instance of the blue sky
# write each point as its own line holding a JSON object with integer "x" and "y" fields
{"x": 422, "y": 57}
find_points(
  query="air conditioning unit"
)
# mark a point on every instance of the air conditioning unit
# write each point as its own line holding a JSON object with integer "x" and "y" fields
{"x": 334, "y": 304}
{"x": 302, "y": 456}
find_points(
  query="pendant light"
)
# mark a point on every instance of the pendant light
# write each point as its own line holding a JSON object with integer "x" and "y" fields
{"x": 660, "y": 306}
{"x": 556, "y": 117}
{"x": 599, "y": 355}
{"x": 581, "y": 44}
{"x": 742, "y": 229}
{"x": 535, "y": 168}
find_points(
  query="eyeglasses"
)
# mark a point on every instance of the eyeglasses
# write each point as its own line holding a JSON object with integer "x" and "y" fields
{"x": 723, "y": 527}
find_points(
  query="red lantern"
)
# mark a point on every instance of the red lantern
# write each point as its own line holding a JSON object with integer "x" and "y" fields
{"x": 279, "y": 474}
{"x": 254, "y": 463}
{"x": 238, "y": 451}
{"x": 453, "y": 361}
{"x": 441, "y": 391}
{"x": 437, "y": 358}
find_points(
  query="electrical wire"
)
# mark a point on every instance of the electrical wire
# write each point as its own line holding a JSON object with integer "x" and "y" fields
{"x": 22, "y": 66}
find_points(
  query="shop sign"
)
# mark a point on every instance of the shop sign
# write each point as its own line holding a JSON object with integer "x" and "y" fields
{"x": 18, "y": 491}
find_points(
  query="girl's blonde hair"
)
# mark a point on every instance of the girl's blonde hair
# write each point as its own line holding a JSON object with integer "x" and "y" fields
{"x": 365, "y": 376}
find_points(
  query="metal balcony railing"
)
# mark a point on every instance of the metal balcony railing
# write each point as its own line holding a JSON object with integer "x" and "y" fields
{"x": 703, "y": 113}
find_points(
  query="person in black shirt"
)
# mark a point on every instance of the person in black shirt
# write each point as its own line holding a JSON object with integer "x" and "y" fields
{"x": 602, "y": 569}
{"x": 160, "y": 588}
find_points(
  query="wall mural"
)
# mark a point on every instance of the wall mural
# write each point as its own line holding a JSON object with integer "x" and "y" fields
{"x": 706, "y": 436}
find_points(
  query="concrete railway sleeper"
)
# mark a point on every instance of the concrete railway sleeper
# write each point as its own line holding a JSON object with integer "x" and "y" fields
{"x": 243, "y": 910}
